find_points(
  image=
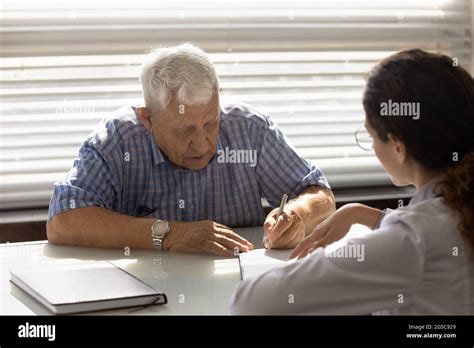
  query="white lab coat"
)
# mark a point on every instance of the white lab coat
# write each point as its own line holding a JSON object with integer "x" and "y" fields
{"x": 416, "y": 262}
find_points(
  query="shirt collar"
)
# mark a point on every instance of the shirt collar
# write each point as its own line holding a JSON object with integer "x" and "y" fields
{"x": 427, "y": 191}
{"x": 158, "y": 156}
{"x": 219, "y": 142}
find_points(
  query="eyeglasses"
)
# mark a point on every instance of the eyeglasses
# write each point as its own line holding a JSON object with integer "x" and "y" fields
{"x": 363, "y": 139}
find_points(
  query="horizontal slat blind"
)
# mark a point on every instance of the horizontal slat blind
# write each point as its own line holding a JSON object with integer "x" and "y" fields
{"x": 65, "y": 67}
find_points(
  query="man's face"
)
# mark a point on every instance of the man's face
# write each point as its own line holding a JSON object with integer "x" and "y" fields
{"x": 187, "y": 135}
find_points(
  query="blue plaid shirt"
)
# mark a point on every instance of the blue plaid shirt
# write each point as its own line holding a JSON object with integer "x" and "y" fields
{"x": 121, "y": 168}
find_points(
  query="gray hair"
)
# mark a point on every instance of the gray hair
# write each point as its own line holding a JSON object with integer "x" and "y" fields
{"x": 185, "y": 71}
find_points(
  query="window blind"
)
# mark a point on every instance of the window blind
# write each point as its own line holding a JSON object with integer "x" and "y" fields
{"x": 65, "y": 66}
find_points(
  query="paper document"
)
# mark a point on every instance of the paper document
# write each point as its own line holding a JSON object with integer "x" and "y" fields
{"x": 259, "y": 261}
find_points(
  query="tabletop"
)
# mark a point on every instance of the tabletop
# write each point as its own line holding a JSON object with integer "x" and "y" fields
{"x": 195, "y": 284}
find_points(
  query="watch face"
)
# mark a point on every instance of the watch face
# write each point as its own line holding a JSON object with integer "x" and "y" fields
{"x": 160, "y": 228}
{"x": 158, "y": 231}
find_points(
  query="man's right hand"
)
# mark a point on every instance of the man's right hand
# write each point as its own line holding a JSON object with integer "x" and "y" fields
{"x": 204, "y": 236}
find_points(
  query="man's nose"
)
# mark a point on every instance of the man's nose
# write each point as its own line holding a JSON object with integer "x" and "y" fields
{"x": 200, "y": 143}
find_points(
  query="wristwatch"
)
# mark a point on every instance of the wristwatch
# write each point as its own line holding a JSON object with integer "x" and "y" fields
{"x": 159, "y": 229}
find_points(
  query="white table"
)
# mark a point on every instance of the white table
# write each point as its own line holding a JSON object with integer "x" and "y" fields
{"x": 194, "y": 284}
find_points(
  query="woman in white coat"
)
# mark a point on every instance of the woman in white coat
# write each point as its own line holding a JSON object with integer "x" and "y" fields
{"x": 418, "y": 259}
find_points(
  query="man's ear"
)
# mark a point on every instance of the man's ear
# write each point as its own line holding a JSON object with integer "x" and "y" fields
{"x": 145, "y": 116}
{"x": 398, "y": 148}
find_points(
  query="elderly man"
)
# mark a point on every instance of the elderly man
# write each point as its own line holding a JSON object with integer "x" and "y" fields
{"x": 175, "y": 173}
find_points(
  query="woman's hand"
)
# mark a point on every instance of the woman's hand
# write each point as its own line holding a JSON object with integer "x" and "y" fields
{"x": 336, "y": 227}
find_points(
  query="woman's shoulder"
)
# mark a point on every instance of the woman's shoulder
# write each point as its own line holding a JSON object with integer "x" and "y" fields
{"x": 430, "y": 219}
{"x": 429, "y": 212}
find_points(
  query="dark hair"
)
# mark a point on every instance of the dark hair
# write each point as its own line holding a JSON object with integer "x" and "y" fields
{"x": 442, "y": 138}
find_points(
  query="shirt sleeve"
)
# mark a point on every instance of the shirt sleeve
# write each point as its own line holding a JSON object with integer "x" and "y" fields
{"x": 384, "y": 277}
{"x": 280, "y": 169}
{"x": 384, "y": 213}
{"x": 90, "y": 182}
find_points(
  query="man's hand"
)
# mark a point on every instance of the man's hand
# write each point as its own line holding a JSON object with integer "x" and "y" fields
{"x": 299, "y": 217}
{"x": 286, "y": 232}
{"x": 330, "y": 230}
{"x": 204, "y": 236}
{"x": 336, "y": 226}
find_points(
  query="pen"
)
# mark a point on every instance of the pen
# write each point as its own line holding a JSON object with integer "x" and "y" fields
{"x": 284, "y": 198}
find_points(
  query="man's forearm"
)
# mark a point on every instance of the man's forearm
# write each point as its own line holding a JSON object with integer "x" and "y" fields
{"x": 314, "y": 205}
{"x": 100, "y": 228}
